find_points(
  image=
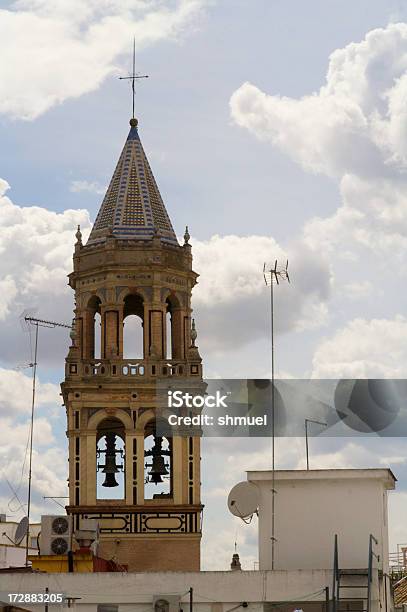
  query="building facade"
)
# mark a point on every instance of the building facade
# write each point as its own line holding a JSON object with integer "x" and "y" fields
{"x": 12, "y": 552}
{"x": 133, "y": 340}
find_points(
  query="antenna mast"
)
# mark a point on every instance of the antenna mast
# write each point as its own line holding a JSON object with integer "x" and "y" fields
{"x": 271, "y": 276}
{"x": 37, "y": 323}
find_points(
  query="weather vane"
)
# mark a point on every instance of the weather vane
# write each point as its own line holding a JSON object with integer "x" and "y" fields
{"x": 134, "y": 76}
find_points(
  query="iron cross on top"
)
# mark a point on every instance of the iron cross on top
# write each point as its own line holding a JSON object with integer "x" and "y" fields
{"x": 134, "y": 76}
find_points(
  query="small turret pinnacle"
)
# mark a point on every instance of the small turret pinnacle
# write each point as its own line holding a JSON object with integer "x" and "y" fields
{"x": 186, "y": 236}
{"x": 78, "y": 236}
{"x": 194, "y": 334}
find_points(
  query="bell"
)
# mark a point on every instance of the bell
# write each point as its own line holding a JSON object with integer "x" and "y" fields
{"x": 110, "y": 481}
{"x": 110, "y": 468}
{"x": 158, "y": 469}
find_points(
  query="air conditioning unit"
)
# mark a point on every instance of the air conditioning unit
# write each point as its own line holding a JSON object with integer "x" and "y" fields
{"x": 56, "y": 535}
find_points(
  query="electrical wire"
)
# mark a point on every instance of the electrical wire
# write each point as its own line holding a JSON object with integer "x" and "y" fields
{"x": 300, "y": 598}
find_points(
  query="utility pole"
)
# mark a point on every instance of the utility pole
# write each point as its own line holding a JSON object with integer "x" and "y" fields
{"x": 191, "y": 599}
{"x": 271, "y": 276}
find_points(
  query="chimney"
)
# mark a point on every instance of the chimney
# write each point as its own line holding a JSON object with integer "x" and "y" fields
{"x": 235, "y": 565}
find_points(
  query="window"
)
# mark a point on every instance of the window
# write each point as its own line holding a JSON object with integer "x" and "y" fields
{"x": 133, "y": 327}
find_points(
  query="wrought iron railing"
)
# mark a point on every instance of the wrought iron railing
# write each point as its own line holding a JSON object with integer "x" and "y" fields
{"x": 398, "y": 563}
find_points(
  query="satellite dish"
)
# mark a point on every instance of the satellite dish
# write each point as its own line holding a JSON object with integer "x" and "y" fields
{"x": 243, "y": 500}
{"x": 21, "y": 531}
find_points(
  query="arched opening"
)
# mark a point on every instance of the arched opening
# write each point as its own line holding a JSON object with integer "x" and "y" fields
{"x": 168, "y": 329}
{"x": 110, "y": 464}
{"x": 158, "y": 468}
{"x": 133, "y": 327}
{"x": 172, "y": 328}
{"x": 97, "y": 334}
{"x": 94, "y": 328}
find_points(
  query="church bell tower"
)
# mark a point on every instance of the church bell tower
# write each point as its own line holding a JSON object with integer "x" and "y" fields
{"x": 133, "y": 334}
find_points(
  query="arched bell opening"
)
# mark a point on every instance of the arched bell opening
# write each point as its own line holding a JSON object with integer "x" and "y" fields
{"x": 133, "y": 327}
{"x": 173, "y": 328}
{"x": 110, "y": 464}
{"x": 158, "y": 465}
{"x": 94, "y": 328}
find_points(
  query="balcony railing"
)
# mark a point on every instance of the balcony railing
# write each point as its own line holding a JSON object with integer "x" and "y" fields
{"x": 137, "y": 368}
{"x": 398, "y": 563}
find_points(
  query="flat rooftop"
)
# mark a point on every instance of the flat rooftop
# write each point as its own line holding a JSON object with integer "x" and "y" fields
{"x": 383, "y": 474}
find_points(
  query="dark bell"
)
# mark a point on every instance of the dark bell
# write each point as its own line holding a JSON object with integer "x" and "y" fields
{"x": 158, "y": 469}
{"x": 110, "y": 481}
{"x": 110, "y": 468}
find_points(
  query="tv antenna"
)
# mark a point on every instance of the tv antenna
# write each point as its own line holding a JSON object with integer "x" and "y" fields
{"x": 134, "y": 76}
{"x": 271, "y": 276}
{"x": 37, "y": 323}
{"x": 55, "y": 499}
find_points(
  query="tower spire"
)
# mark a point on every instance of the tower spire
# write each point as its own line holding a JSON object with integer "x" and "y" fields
{"x": 132, "y": 207}
{"x": 133, "y": 77}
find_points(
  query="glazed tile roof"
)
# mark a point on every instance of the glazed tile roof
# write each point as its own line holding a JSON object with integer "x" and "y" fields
{"x": 132, "y": 207}
{"x": 400, "y": 592}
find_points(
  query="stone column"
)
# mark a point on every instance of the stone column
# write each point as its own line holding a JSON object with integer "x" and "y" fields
{"x": 88, "y": 490}
{"x": 156, "y": 331}
{"x": 110, "y": 335}
{"x": 177, "y": 334}
{"x": 88, "y": 336}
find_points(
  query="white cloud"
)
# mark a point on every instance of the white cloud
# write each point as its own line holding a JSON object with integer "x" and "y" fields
{"x": 16, "y": 393}
{"x": 49, "y": 466}
{"x": 91, "y": 187}
{"x": 353, "y": 129}
{"x": 73, "y": 46}
{"x": 357, "y": 290}
{"x": 8, "y": 292}
{"x": 397, "y": 522}
{"x": 364, "y": 349}
{"x": 37, "y": 247}
{"x": 231, "y": 293}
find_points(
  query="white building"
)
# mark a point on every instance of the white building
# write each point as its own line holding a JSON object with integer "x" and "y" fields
{"x": 11, "y": 554}
{"x": 310, "y": 508}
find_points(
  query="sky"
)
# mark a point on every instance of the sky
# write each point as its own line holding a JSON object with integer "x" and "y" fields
{"x": 275, "y": 129}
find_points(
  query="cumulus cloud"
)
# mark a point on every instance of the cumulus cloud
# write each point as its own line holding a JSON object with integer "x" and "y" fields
{"x": 364, "y": 349}
{"x": 16, "y": 391}
{"x": 353, "y": 129}
{"x": 37, "y": 247}
{"x": 73, "y": 46}
{"x": 231, "y": 293}
{"x": 49, "y": 466}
